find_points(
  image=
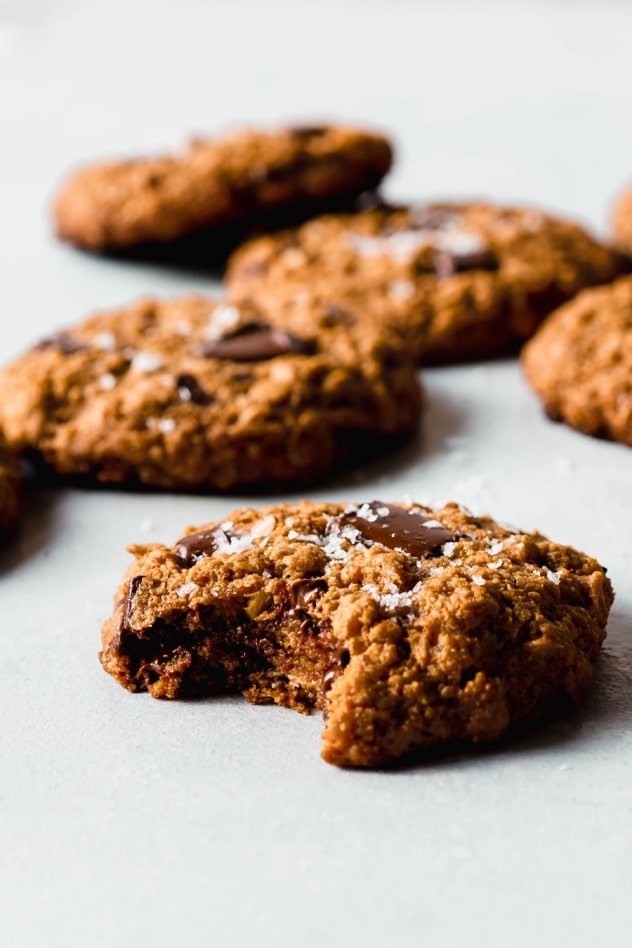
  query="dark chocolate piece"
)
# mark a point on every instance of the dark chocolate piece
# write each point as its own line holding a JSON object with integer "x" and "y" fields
{"x": 446, "y": 263}
{"x": 127, "y": 602}
{"x": 336, "y": 315}
{"x": 190, "y": 390}
{"x": 255, "y": 343}
{"x": 305, "y": 591}
{"x": 307, "y": 131}
{"x": 63, "y": 341}
{"x": 399, "y": 529}
{"x": 192, "y": 548}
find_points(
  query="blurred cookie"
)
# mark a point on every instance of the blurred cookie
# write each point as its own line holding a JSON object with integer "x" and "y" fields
{"x": 192, "y": 394}
{"x": 218, "y": 182}
{"x": 622, "y": 223}
{"x": 580, "y": 362}
{"x": 454, "y": 281}
{"x": 10, "y": 488}
{"x": 412, "y": 629}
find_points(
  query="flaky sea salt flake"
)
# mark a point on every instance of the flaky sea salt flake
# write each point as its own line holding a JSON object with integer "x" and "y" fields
{"x": 186, "y": 590}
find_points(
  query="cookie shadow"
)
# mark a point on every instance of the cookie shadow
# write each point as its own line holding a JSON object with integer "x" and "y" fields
{"x": 443, "y": 419}
{"x": 40, "y": 513}
{"x": 205, "y": 252}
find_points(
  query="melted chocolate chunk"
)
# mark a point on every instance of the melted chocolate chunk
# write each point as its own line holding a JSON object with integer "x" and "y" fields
{"x": 63, "y": 341}
{"x": 192, "y": 548}
{"x": 127, "y": 602}
{"x": 302, "y": 593}
{"x": 254, "y": 343}
{"x": 446, "y": 263}
{"x": 305, "y": 591}
{"x": 333, "y": 671}
{"x": 190, "y": 390}
{"x": 399, "y": 529}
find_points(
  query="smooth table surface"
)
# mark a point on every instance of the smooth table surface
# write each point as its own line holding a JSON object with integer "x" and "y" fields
{"x": 127, "y": 821}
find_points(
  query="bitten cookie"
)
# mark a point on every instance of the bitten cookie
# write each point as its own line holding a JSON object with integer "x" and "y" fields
{"x": 216, "y": 182}
{"x": 456, "y": 281}
{"x": 197, "y": 395}
{"x": 580, "y": 362}
{"x": 10, "y": 489}
{"x": 410, "y": 628}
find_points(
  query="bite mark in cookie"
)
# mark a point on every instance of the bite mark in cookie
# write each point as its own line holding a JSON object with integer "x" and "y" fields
{"x": 412, "y": 629}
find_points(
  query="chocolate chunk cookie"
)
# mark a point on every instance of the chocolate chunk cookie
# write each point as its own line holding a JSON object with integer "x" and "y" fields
{"x": 455, "y": 281}
{"x": 10, "y": 487}
{"x": 193, "y": 394}
{"x": 580, "y": 362}
{"x": 218, "y": 182}
{"x": 410, "y": 628}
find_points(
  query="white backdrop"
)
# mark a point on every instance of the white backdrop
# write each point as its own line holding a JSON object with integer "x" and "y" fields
{"x": 124, "y": 819}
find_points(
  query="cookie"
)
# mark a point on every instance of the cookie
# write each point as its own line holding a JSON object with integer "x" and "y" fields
{"x": 10, "y": 488}
{"x": 580, "y": 362}
{"x": 412, "y": 629}
{"x": 622, "y": 223}
{"x": 217, "y": 182}
{"x": 455, "y": 281}
{"x": 191, "y": 394}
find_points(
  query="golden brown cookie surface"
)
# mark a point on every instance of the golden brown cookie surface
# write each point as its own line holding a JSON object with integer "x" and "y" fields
{"x": 454, "y": 281}
{"x": 580, "y": 362}
{"x": 235, "y": 178}
{"x": 411, "y": 628}
{"x": 622, "y": 222}
{"x": 191, "y": 394}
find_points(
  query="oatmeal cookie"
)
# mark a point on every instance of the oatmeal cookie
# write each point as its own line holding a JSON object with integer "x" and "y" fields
{"x": 217, "y": 182}
{"x": 454, "y": 281}
{"x": 192, "y": 394}
{"x": 580, "y": 362}
{"x": 412, "y": 629}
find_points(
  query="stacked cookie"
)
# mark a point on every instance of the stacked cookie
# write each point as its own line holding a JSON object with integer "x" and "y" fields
{"x": 410, "y": 628}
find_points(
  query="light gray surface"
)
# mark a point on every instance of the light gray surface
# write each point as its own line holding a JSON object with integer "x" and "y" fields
{"x": 124, "y": 820}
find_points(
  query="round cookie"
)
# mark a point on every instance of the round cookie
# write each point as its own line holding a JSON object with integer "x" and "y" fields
{"x": 412, "y": 629}
{"x": 455, "y": 281}
{"x": 10, "y": 489}
{"x": 192, "y": 394}
{"x": 216, "y": 182}
{"x": 580, "y": 362}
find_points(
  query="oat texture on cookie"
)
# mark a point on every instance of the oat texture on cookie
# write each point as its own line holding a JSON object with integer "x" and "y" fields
{"x": 192, "y": 394}
{"x": 453, "y": 281}
{"x": 216, "y": 182}
{"x": 580, "y": 362}
{"x": 412, "y": 629}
